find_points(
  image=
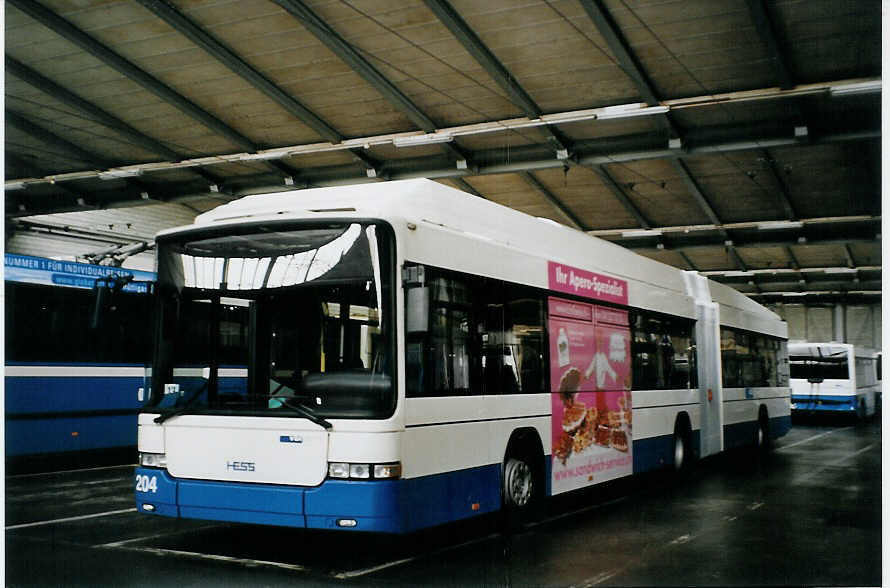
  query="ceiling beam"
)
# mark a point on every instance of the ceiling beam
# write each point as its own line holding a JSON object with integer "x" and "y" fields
{"x": 449, "y": 17}
{"x": 688, "y": 260}
{"x": 359, "y": 64}
{"x": 466, "y": 187}
{"x": 65, "y": 29}
{"x": 60, "y": 94}
{"x": 30, "y": 128}
{"x": 57, "y": 92}
{"x": 227, "y": 57}
{"x": 348, "y": 54}
{"x": 785, "y": 272}
{"x": 627, "y": 60}
{"x": 16, "y": 203}
{"x": 615, "y": 189}
{"x": 766, "y": 28}
{"x": 697, "y": 193}
{"x": 636, "y": 245}
{"x": 599, "y": 151}
{"x": 557, "y": 204}
{"x": 784, "y": 193}
{"x": 792, "y": 259}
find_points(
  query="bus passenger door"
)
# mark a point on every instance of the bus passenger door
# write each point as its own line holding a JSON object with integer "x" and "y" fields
{"x": 707, "y": 336}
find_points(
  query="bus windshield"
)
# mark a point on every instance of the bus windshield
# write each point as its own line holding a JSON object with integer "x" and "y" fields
{"x": 290, "y": 320}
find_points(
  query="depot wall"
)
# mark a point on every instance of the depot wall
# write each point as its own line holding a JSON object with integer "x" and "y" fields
{"x": 859, "y": 324}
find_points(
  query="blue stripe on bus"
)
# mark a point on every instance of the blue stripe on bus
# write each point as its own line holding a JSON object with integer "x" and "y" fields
{"x": 32, "y": 396}
{"x": 742, "y": 434}
{"x": 57, "y": 394}
{"x": 658, "y": 452}
{"x": 825, "y": 403}
{"x": 379, "y": 506}
{"x": 57, "y": 435}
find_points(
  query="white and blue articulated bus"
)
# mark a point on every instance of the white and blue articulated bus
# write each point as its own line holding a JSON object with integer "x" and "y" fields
{"x": 70, "y": 384}
{"x": 393, "y": 356}
{"x": 837, "y": 378}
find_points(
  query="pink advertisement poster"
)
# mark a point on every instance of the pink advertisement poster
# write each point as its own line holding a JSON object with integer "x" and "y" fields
{"x": 590, "y": 379}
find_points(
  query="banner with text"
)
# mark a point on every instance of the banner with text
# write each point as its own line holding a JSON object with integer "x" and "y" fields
{"x": 572, "y": 280}
{"x": 52, "y": 272}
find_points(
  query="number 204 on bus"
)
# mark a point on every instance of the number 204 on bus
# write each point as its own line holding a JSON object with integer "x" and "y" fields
{"x": 400, "y": 355}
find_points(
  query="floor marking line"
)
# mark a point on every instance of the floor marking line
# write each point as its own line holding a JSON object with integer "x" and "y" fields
{"x": 364, "y": 572}
{"x": 115, "y": 467}
{"x": 214, "y": 557}
{"x": 115, "y": 544}
{"x": 397, "y": 562}
{"x": 68, "y": 519}
{"x": 599, "y": 578}
{"x": 836, "y": 462}
{"x": 813, "y": 438}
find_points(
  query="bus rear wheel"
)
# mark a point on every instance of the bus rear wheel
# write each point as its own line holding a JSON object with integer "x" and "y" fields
{"x": 519, "y": 484}
{"x": 682, "y": 446}
{"x": 761, "y": 434}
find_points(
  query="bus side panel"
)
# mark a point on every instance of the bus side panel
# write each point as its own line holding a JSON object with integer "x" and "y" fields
{"x": 81, "y": 413}
{"x": 655, "y": 414}
{"x": 742, "y": 410}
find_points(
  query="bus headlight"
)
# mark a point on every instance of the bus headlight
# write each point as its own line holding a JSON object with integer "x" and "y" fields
{"x": 153, "y": 460}
{"x": 387, "y": 470}
{"x": 364, "y": 471}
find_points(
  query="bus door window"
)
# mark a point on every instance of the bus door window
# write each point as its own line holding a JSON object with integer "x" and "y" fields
{"x": 449, "y": 351}
{"x": 663, "y": 352}
{"x": 525, "y": 324}
{"x": 495, "y": 364}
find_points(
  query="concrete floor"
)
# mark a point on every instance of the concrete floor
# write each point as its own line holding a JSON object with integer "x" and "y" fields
{"x": 808, "y": 515}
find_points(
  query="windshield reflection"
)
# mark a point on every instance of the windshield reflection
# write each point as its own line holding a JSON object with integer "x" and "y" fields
{"x": 261, "y": 322}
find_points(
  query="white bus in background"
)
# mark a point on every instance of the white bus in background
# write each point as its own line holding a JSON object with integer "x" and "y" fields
{"x": 415, "y": 355}
{"x": 834, "y": 377}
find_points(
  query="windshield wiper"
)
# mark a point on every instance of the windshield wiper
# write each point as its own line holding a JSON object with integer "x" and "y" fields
{"x": 306, "y": 412}
{"x": 185, "y": 407}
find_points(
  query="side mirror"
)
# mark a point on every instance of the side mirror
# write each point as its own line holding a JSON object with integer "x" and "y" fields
{"x": 101, "y": 301}
{"x": 104, "y": 291}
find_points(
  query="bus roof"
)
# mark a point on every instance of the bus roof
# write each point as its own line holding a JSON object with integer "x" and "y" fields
{"x": 827, "y": 349}
{"x": 431, "y": 204}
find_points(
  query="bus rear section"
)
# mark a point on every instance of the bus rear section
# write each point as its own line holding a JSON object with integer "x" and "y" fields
{"x": 833, "y": 378}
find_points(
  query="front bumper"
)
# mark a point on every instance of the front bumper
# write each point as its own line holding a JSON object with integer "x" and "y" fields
{"x": 380, "y": 506}
{"x": 372, "y": 506}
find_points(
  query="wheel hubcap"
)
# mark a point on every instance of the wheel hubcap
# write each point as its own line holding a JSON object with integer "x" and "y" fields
{"x": 518, "y": 483}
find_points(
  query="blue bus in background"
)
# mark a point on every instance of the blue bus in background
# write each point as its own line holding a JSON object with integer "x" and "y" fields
{"x": 72, "y": 387}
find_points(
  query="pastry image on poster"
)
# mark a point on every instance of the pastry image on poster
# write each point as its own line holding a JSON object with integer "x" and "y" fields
{"x": 591, "y": 401}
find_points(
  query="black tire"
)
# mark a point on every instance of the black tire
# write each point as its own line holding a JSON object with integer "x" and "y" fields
{"x": 761, "y": 440}
{"x": 861, "y": 411}
{"x": 522, "y": 489}
{"x": 682, "y": 450}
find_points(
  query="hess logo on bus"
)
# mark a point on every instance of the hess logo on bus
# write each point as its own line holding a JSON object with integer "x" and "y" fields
{"x": 241, "y": 466}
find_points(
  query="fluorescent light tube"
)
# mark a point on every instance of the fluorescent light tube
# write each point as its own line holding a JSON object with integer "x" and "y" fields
{"x": 627, "y": 111}
{"x": 868, "y": 87}
{"x": 114, "y": 174}
{"x": 425, "y": 139}
{"x": 779, "y": 225}
{"x": 641, "y": 233}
